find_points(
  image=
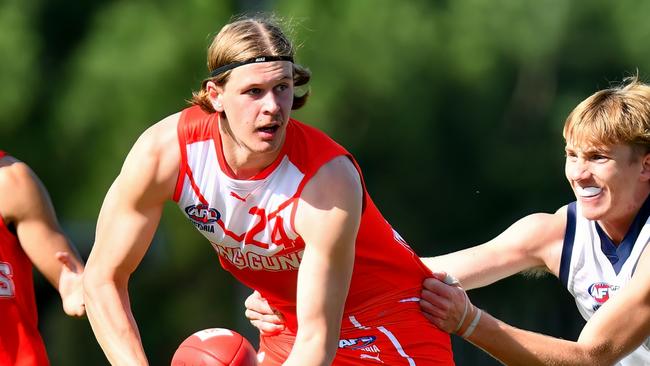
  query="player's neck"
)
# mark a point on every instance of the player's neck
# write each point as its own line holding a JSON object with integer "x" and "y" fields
{"x": 617, "y": 228}
{"x": 245, "y": 164}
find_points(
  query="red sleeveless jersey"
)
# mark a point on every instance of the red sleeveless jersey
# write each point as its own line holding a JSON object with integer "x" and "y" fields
{"x": 250, "y": 224}
{"x": 20, "y": 341}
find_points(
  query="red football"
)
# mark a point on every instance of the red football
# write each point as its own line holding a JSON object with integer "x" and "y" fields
{"x": 215, "y": 347}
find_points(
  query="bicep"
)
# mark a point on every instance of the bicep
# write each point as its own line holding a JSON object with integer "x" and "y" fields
{"x": 37, "y": 227}
{"x": 625, "y": 318}
{"x": 533, "y": 241}
{"x": 132, "y": 209}
{"x": 328, "y": 220}
{"x": 124, "y": 230}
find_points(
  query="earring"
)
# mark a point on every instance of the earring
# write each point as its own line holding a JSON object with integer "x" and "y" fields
{"x": 218, "y": 105}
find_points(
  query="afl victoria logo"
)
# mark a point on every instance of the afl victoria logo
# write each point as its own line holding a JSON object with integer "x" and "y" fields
{"x": 202, "y": 214}
{"x": 357, "y": 343}
{"x": 600, "y": 291}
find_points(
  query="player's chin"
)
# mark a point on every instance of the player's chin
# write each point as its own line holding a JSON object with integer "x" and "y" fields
{"x": 593, "y": 213}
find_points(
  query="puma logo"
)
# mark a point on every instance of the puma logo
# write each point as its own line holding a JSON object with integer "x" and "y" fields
{"x": 376, "y": 358}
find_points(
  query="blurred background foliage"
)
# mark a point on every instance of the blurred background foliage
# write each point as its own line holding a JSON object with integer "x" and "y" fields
{"x": 454, "y": 110}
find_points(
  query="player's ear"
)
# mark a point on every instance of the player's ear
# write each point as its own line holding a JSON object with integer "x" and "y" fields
{"x": 645, "y": 166}
{"x": 214, "y": 93}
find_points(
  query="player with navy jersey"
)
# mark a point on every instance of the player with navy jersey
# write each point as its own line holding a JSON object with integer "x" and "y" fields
{"x": 596, "y": 246}
{"x": 284, "y": 207}
{"x": 30, "y": 234}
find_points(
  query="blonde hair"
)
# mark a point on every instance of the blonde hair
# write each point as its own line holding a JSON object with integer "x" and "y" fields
{"x": 618, "y": 115}
{"x": 243, "y": 39}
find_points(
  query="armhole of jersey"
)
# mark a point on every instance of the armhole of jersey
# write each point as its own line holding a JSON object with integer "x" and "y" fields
{"x": 10, "y": 227}
{"x": 182, "y": 145}
{"x": 567, "y": 246}
{"x": 364, "y": 192}
{"x": 311, "y": 174}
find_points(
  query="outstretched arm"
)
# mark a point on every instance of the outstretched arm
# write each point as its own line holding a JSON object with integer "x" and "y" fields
{"x": 615, "y": 330}
{"x": 26, "y": 203}
{"x": 328, "y": 220}
{"x": 533, "y": 242}
{"x": 128, "y": 219}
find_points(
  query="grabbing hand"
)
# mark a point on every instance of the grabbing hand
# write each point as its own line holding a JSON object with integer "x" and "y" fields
{"x": 268, "y": 320}
{"x": 71, "y": 285}
{"x": 446, "y": 305}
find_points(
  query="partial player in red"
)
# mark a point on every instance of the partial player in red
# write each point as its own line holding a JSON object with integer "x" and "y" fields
{"x": 215, "y": 347}
{"x": 283, "y": 205}
{"x": 30, "y": 234}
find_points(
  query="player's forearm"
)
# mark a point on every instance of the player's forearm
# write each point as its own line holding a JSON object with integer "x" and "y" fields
{"x": 312, "y": 350}
{"x": 112, "y": 322}
{"x": 514, "y": 346}
{"x": 459, "y": 265}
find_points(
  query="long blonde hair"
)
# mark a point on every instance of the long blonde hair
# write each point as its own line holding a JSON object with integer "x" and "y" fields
{"x": 243, "y": 39}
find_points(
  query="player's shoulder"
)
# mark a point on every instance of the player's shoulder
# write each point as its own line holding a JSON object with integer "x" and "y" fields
{"x": 158, "y": 142}
{"x": 336, "y": 181}
{"x": 14, "y": 174}
{"x": 541, "y": 235}
{"x": 339, "y": 172}
{"x": 545, "y": 220}
{"x": 154, "y": 159}
{"x": 18, "y": 185}
{"x": 541, "y": 229}
{"x": 160, "y": 134}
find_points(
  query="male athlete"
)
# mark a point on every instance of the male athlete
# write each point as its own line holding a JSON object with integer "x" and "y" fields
{"x": 30, "y": 234}
{"x": 596, "y": 246}
{"x": 283, "y": 205}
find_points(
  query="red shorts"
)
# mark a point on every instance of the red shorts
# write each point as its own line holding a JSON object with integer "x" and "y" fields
{"x": 404, "y": 337}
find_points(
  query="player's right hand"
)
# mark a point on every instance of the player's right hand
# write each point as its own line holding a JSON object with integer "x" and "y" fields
{"x": 445, "y": 304}
{"x": 268, "y": 320}
{"x": 71, "y": 285}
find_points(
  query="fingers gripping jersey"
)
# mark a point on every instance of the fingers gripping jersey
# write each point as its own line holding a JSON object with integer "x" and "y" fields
{"x": 250, "y": 224}
{"x": 591, "y": 277}
{"x": 20, "y": 341}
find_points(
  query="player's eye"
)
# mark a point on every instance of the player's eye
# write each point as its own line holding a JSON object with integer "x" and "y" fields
{"x": 599, "y": 157}
{"x": 254, "y": 91}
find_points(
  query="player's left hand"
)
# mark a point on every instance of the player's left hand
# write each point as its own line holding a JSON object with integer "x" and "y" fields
{"x": 268, "y": 320}
{"x": 71, "y": 285}
{"x": 443, "y": 302}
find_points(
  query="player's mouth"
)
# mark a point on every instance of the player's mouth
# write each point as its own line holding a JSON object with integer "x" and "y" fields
{"x": 268, "y": 132}
{"x": 587, "y": 192}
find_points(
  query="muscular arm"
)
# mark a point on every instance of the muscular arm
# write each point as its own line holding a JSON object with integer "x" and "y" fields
{"x": 615, "y": 330}
{"x": 328, "y": 220}
{"x": 532, "y": 242}
{"x": 24, "y": 201}
{"x": 128, "y": 219}
{"x": 535, "y": 241}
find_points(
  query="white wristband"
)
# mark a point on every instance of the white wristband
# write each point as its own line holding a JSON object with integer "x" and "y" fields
{"x": 451, "y": 280}
{"x": 462, "y": 318}
{"x": 468, "y": 332}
